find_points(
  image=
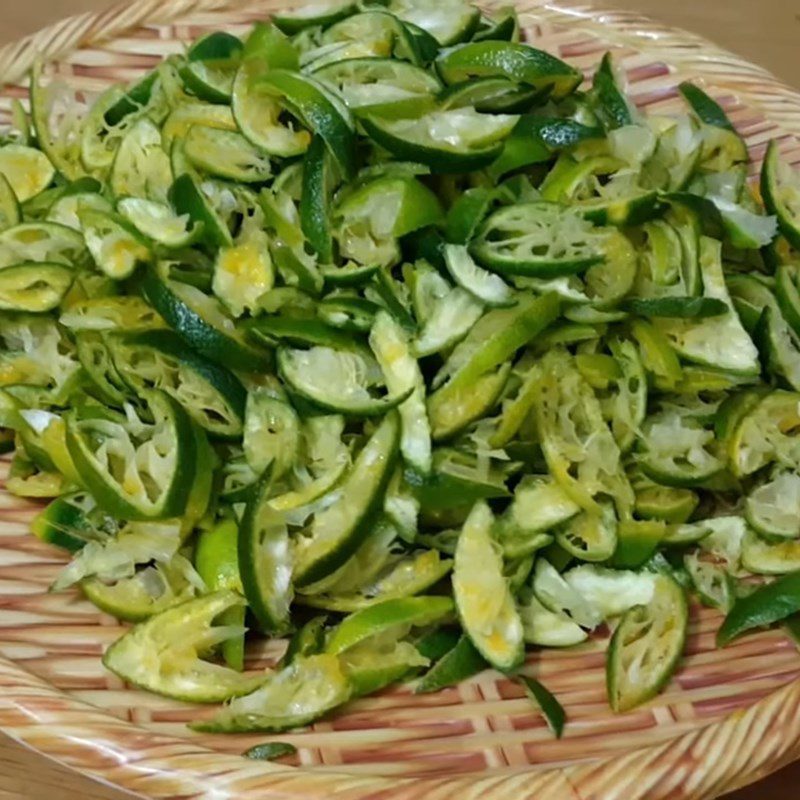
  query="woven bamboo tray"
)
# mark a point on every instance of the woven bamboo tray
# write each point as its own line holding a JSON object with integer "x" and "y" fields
{"x": 728, "y": 718}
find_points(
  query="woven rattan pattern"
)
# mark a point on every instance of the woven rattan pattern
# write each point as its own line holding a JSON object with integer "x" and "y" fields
{"x": 727, "y": 718}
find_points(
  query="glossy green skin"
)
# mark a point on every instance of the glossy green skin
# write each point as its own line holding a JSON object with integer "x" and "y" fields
{"x": 552, "y": 710}
{"x": 768, "y": 604}
{"x": 59, "y": 523}
{"x": 198, "y": 333}
{"x": 519, "y": 62}
{"x": 305, "y": 100}
{"x": 315, "y": 200}
{"x": 706, "y": 108}
{"x": 608, "y": 100}
{"x": 462, "y": 662}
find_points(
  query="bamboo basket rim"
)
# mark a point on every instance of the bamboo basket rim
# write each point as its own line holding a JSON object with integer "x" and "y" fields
{"x": 131, "y": 758}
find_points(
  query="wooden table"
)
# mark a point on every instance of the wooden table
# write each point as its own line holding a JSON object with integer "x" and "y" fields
{"x": 764, "y": 31}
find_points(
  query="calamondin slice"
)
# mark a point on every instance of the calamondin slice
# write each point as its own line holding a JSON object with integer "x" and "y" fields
{"x": 164, "y": 653}
{"x": 484, "y": 601}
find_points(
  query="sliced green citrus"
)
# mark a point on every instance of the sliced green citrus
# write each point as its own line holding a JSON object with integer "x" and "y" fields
{"x": 762, "y": 557}
{"x": 538, "y": 239}
{"x": 787, "y": 294}
{"x": 646, "y": 646}
{"x": 494, "y": 339}
{"x": 217, "y": 562}
{"x": 271, "y": 433}
{"x": 490, "y": 289}
{"x": 590, "y": 536}
{"x": 683, "y": 307}
{"x": 186, "y": 115}
{"x": 158, "y": 222}
{"x": 780, "y": 188}
{"x": 539, "y": 505}
{"x": 66, "y": 208}
{"x": 270, "y": 751}
{"x": 265, "y": 559}
{"x": 407, "y": 577}
{"x": 611, "y": 592}
{"x": 773, "y": 507}
{"x": 306, "y": 99}
{"x": 57, "y": 130}
{"x": 244, "y": 273}
{"x": 313, "y": 14}
{"x": 460, "y": 663}
{"x": 391, "y": 347}
{"x": 368, "y": 82}
{"x": 210, "y": 67}
{"x": 164, "y": 653}
{"x": 608, "y": 96}
{"x": 308, "y": 640}
{"x": 110, "y": 313}
{"x": 368, "y": 221}
{"x": 768, "y": 604}
{"x": 150, "y": 591}
{"x": 336, "y": 380}
{"x": 226, "y": 154}
{"x": 257, "y": 115}
{"x": 547, "y": 628}
{"x": 379, "y": 662}
{"x": 450, "y": 140}
{"x": 765, "y": 432}
{"x": 668, "y": 503}
{"x": 141, "y": 168}
{"x": 45, "y": 242}
{"x": 34, "y": 287}
{"x": 377, "y": 620}
{"x": 452, "y": 409}
{"x": 69, "y": 521}
{"x": 212, "y": 396}
{"x": 308, "y": 688}
{"x": 28, "y": 171}
{"x": 718, "y": 341}
{"x": 10, "y": 213}
{"x": 452, "y": 313}
{"x": 517, "y": 61}
{"x": 337, "y": 532}
{"x": 677, "y": 450}
{"x": 188, "y": 199}
{"x": 315, "y": 201}
{"x": 201, "y": 322}
{"x": 372, "y": 33}
{"x": 449, "y": 22}
{"x": 712, "y": 582}
{"x": 300, "y": 332}
{"x": 136, "y": 470}
{"x": 560, "y": 597}
{"x": 115, "y": 244}
{"x": 483, "y": 598}
{"x": 706, "y": 108}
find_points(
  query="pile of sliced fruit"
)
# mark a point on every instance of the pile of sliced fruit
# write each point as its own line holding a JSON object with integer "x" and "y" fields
{"x": 375, "y": 313}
